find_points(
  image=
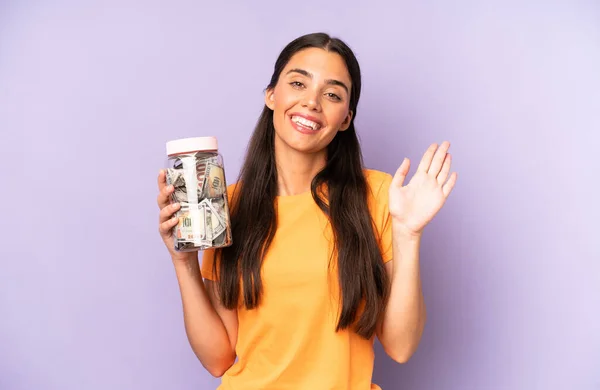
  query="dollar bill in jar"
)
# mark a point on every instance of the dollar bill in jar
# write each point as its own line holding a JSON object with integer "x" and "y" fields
{"x": 214, "y": 223}
{"x": 196, "y": 172}
{"x": 214, "y": 181}
{"x": 190, "y": 231}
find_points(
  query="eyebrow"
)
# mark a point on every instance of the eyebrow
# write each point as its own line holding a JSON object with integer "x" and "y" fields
{"x": 328, "y": 81}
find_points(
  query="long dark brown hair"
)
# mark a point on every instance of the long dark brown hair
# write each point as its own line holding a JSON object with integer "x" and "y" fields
{"x": 362, "y": 275}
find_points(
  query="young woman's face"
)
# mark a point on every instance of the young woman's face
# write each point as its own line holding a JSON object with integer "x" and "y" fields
{"x": 310, "y": 102}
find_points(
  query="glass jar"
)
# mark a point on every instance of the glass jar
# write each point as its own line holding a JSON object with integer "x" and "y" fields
{"x": 196, "y": 171}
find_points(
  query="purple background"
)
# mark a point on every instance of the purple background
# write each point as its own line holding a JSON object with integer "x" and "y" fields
{"x": 90, "y": 93}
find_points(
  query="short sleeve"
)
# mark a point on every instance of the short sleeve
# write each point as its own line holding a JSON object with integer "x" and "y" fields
{"x": 206, "y": 269}
{"x": 381, "y": 214}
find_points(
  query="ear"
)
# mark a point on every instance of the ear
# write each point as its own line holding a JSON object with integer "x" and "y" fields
{"x": 270, "y": 98}
{"x": 347, "y": 121}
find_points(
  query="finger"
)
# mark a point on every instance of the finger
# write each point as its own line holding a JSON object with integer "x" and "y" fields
{"x": 163, "y": 196}
{"x": 168, "y": 225}
{"x": 162, "y": 179}
{"x": 427, "y": 157}
{"x": 401, "y": 173}
{"x": 167, "y": 212}
{"x": 438, "y": 159}
{"x": 443, "y": 175}
{"x": 447, "y": 188}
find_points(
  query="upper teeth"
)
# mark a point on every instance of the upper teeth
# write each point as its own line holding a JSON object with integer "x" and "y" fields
{"x": 305, "y": 122}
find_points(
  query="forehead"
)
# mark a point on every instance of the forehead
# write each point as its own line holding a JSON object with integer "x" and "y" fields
{"x": 321, "y": 63}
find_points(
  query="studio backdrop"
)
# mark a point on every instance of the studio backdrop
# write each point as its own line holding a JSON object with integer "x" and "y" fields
{"x": 90, "y": 91}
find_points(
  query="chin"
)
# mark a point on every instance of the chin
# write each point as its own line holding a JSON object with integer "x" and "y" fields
{"x": 291, "y": 142}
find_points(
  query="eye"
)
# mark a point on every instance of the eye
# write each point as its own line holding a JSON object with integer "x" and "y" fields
{"x": 297, "y": 84}
{"x": 333, "y": 96}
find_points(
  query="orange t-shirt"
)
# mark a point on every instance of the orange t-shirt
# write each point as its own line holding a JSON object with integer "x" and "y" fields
{"x": 290, "y": 340}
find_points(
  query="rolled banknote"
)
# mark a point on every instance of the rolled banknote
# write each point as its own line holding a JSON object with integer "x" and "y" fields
{"x": 214, "y": 182}
{"x": 215, "y": 225}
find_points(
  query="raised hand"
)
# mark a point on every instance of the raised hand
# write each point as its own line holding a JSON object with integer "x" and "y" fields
{"x": 414, "y": 205}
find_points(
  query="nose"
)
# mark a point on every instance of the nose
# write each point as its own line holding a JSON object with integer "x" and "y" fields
{"x": 311, "y": 101}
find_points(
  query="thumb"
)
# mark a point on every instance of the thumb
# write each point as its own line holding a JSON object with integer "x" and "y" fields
{"x": 401, "y": 173}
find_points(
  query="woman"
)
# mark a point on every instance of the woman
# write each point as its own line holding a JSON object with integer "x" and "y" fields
{"x": 325, "y": 253}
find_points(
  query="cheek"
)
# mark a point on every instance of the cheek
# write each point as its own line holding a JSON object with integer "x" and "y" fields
{"x": 338, "y": 116}
{"x": 283, "y": 98}
{"x": 281, "y": 105}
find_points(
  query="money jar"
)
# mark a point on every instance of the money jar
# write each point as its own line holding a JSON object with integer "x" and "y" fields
{"x": 196, "y": 171}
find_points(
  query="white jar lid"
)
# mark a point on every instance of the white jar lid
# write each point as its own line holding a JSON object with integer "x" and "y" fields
{"x": 189, "y": 145}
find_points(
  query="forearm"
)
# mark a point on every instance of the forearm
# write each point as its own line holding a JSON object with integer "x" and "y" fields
{"x": 404, "y": 318}
{"x": 205, "y": 330}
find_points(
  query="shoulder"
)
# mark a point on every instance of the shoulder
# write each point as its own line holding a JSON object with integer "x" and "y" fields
{"x": 378, "y": 203}
{"x": 232, "y": 191}
{"x": 377, "y": 181}
{"x": 231, "y": 195}
{"x": 378, "y": 188}
{"x": 231, "y": 188}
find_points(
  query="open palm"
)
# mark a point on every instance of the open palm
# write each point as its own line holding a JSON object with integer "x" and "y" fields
{"x": 414, "y": 205}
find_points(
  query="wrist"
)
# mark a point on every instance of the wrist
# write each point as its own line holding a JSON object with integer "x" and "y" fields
{"x": 401, "y": 232}
{"x": 187, "y": 260}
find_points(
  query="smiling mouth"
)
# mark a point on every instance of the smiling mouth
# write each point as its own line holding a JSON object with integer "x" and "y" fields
{"x": 305, "y": 123}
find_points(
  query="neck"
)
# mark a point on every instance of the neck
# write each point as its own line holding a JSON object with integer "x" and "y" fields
{"x": 296, "y": 170}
